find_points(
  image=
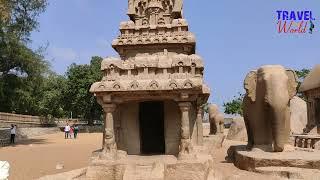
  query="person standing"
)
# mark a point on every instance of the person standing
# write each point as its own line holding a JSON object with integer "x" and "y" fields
{"x": 75, "y": 131}
{"x": 13, "y": 133}
{"x": 71, "y": 132}
{"x": 66, "y": 131}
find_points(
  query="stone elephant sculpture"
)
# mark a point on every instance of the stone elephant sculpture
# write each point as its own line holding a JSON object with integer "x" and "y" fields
{"x": 216, "y": 119}
{"x": 266, "y": 107}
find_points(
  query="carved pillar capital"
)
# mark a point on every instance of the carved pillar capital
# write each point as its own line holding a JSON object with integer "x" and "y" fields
{"x": 200, "y": 110}
{"x": 184, "y": 106}
{"x": 109, "y": 108}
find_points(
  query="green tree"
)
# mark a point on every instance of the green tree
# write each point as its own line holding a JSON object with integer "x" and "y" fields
{"x": 78, "y": 99}
{"x": 52, "y": 99}
{"x": 234, "y": 107}
{"x": 302, "y": 74}
{"x": 21, "y": 68}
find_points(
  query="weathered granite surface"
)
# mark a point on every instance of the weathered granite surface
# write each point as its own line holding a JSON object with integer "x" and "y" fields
{"x": 250, "y": 160}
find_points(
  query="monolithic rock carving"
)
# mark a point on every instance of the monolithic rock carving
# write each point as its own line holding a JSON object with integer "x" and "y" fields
{"x": 157, "y": 63}
{"x": 266, "y": 107}
{"x": 311, "y": 89}
{"x": 216, "y": 119}
{"x": 142, "y": 9}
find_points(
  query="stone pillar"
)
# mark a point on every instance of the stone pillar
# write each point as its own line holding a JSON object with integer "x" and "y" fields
{"x": 185, "y": 150}
{"x": 109, "y": 145}
{"x": 200, "y": 126}
{"x": 312, "y": 113}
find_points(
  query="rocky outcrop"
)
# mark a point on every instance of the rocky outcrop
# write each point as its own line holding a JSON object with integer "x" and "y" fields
{"x": 299, "y": 117}
{"x": 4, "y": 170}
{"x": 237, "y": 131}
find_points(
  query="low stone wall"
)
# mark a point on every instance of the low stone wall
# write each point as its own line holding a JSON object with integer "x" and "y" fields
{"x": 88, "y": 129}
{"x": 27, "y": 133}
{"x": 26, "y": 121}
{"x": 91, "y": 129}
{"x": 6, "y": 119}
{"x": 4, "y": 137}
{"x": 24, "y": 133}
{"x": 4, "y": 133}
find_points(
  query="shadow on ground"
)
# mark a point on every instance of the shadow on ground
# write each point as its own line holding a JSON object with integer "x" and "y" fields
{"x": 230, "y": 152}
{"x": 32, "y": 141}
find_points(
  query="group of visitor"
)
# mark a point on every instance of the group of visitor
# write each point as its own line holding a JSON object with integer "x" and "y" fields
{"x": 71, "y": 131}
{"x": 13, "y": 133}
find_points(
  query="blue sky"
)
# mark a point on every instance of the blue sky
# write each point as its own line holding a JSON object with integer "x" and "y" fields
{"x": 233, "y": 37}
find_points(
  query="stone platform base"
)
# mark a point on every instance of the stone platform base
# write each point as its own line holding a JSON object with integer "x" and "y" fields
{"x": 298, "y": 164}
{"x": 160, "y": 167}
{"x": 290, "y": 172}
{"x": 210, "y": 144}
{"x": 71, "y": 175}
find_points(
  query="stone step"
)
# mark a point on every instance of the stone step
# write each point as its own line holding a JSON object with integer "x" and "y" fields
{"x": 153, "y": 171}
{"x": 290, "y": 172}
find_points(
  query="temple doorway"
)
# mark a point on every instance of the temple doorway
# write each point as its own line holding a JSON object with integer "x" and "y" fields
{"x": 151, "y": 118}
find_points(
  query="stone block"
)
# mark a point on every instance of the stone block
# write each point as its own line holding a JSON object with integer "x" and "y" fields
{"x": 213, "y": 142}
{"x": 237, "y": 131}
{"x": 108, "y": 170}
{"x": 251, "y": 160}
{"x": 299, "y": 115}
{"x": 189, "y": 170}
{"x": 290, "y": 172}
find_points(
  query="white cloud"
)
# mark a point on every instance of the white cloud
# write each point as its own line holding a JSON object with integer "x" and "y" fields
{"x": 62, "y": 54}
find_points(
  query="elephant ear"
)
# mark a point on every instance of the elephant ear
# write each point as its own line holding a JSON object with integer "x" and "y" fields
{"x": 292, "y": 82}
{"x": 250, "y": 85}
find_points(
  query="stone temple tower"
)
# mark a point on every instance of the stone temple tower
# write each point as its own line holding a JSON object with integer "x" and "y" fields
{"x": 152, "y": 94}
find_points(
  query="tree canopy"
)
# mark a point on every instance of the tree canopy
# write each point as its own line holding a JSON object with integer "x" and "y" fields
{"x": 78, "y": 99}
{"x": 27, "y": 85}
{"x": 234, "y": 107}
{"x": 21, "y": 68}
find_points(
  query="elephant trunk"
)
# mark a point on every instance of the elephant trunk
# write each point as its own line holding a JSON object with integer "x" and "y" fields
{"x": 278, "y": 100}
{"x": 280, "y": 128}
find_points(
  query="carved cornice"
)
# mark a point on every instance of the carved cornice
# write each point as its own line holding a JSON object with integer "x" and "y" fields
{"x": 184, "y": 106}
{"x": 157, "y": 61}
{"x": 151, "y": 85}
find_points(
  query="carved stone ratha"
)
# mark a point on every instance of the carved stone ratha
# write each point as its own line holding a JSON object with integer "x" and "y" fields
{"x": 157, "y": 63}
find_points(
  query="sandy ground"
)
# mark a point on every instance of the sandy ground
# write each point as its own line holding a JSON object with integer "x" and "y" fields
{"x": 39, "y": 156}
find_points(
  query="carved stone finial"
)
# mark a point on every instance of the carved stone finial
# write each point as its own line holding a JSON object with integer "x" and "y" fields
{"x": 154, "y": 11}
